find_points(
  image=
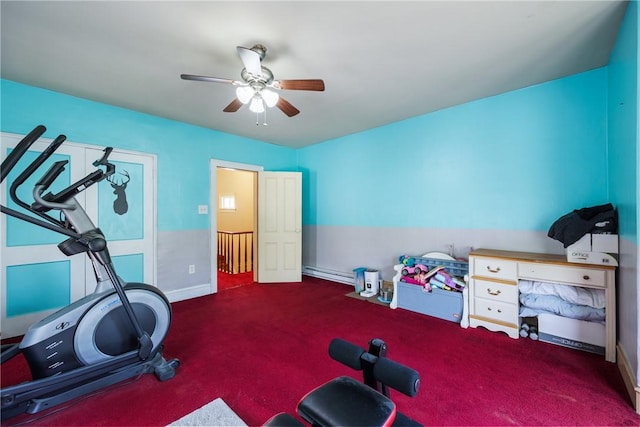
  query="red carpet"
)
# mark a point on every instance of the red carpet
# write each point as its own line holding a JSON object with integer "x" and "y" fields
{"x": 262, "y": 347}
{"x": 229, "y": 281}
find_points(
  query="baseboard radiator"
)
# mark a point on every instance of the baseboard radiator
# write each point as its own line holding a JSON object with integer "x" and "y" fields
{"x": 327, "y": 274}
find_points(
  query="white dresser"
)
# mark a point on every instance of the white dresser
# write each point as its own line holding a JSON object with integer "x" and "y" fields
{"x": 493, "y": 288}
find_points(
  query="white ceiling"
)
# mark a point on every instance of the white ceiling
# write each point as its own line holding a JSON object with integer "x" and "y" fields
{"x": 381, "y": 61}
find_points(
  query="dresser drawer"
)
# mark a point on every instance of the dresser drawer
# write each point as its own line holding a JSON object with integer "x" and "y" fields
{"x": 563, "y": 274}
{"x": 495, "y": 268}
{"x": 496, "y": 310}
{"x": 495, "y": 291}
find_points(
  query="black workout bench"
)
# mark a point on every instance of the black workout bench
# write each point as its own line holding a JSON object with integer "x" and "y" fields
{"x": 344, "y": 401}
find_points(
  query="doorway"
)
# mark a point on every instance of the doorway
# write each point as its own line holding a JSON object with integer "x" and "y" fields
{"x": 277, "y": 223}
{"x": 236, "y": 233}
{"x": 233, "y": 224}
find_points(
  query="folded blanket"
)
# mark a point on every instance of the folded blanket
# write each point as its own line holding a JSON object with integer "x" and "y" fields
{"x": 534, "y": 304}
{"x": 573, "y": 294}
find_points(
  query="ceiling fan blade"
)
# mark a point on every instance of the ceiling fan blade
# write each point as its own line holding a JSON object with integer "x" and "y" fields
{"x": 305, "y": 84}
{"x": 233, "y": 106}
{"x": 251, "y": 60}
{"x": 208, "y": 79}
{"x": 286, "y": 107}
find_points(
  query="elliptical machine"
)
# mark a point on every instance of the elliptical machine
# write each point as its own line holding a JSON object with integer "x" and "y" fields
{"x": 106, "y": 337}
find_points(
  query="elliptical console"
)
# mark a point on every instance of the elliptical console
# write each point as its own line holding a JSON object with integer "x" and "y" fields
{"x": 111, "y": 335}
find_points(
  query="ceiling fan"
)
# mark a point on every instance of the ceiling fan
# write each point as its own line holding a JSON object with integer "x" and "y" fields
{"x": 257, "y": 83}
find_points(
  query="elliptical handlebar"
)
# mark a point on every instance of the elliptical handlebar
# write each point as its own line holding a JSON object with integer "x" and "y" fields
{"x": 44, "y": 182}
{"x": 31, "y": 168}
{"x": 44, "y": 203}
{"x": 19, "y": 151}
{"x": 54, "y": 171}
{"x": 104, "y": 161}
{"x": 58, "y": 200}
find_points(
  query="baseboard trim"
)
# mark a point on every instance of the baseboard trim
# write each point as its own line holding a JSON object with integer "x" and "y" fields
{"x": 188, "y": 293}
{"x": 327, "y": 274}
{"x": 629, "y": 378}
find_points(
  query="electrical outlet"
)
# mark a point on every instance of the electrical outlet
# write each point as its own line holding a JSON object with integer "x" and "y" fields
{"x": 192, "y": 269}
{"x": 203, "y": 209}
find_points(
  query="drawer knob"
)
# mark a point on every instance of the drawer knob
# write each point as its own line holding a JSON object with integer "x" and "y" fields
{"x": 490, "y": 292}
{"x": 493, "y": 270}
{"x": 490, "y": 309}
{"x": 585, "y": 277}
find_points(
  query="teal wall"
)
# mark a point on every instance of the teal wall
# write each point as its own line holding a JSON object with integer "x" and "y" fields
{"x": 515, "y": 161}
{"x": 183, "y": 150}
{"x": 624, "y": 161}
{"x": 623, "y": 123}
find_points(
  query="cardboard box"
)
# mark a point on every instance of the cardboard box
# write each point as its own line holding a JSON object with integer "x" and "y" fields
{"x": 573, "y": 333}
{"x": 584, "y": 244}
{"x": 587, "y": 257}
{"x": 594, "y": 249}
{"x": 607, "y": 243}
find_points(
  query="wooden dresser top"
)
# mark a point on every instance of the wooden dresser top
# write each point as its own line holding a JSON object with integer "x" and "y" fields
{"x": 534, "y": 257}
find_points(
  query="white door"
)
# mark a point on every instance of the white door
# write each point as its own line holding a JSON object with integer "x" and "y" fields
{"x": 279, "y": 227}
{"x": 124, "y": 209}
{"x": 37, "y": 279}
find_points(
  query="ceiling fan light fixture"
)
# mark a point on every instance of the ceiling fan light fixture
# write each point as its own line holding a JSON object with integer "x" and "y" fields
{"x": 270, "y": 97}
{"x": 257, "y": 104}
{"x": 257, "y": 81}
{"x": 244, "y": 94}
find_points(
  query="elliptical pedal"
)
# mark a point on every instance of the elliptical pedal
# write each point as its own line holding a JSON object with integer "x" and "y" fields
{"x": 166, "y": 370}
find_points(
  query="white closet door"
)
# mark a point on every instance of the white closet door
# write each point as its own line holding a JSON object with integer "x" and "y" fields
{"x": 124, "y": 209}
{"x": 37, "y": 279}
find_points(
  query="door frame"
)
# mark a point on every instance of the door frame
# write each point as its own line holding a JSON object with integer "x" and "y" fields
{"x": 214, "y": 164}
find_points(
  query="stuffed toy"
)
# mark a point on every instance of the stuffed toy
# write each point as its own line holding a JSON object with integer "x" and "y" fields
{"x": 406, "y": 260}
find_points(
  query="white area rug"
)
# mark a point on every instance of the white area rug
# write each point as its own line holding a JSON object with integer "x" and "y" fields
{"x": 214, "y": 414}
